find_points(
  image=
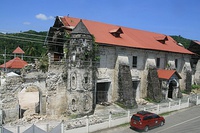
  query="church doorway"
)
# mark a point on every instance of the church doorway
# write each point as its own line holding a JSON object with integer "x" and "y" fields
{"x": 29, "y": 101}
{"x": 172, "y": 86}
{"x": 102, "y": 92}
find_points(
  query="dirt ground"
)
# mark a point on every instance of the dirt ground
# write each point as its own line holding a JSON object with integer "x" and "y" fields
{"x": 197, "y": 91}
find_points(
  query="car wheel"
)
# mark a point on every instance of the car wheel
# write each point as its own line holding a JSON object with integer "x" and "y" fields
{"x": 161, "y": 123}
{"x": 146, "y": 128}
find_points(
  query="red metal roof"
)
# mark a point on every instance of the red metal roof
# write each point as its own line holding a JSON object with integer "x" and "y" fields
{"x": 15, "y": 63}
{"x": 167, "y": 74}
{"x": 197, "y": 42}
{"x": 18, "y": 50}
{"x": 130, "y": 38}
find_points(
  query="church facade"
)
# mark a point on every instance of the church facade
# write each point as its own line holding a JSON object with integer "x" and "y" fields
{"x": 103, "y": 63}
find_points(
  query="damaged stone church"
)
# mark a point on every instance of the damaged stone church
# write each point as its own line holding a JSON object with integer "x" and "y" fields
{"x": 124, "y": 69}
{"x": 94, "y": 63}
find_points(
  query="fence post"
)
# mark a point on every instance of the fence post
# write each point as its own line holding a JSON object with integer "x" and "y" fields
{"x": 1, "y": 129}
{"x": 87, "y": 124}
{"x": 179, "y": 104}
{"x": 47, "y": 127}
{"x": 158, "y": 108}
{"x": 62, "y": 126}
{"x": 188, "y": 102}
{"x": 169, "y": 106}
{"x": 18, "y": 129}
{"x": 109, "y": 121}
{"x": 1, "y": 117}
{"x": 197, "y": 102}
{"x": 128, "y": 115}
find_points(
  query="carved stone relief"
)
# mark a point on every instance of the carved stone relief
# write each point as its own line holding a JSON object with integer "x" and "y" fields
{"x": 74, "y": 105}
{"x": 73, "y": 81}
{"x": 87, "y": 103}
{"x": 86, "y": 81}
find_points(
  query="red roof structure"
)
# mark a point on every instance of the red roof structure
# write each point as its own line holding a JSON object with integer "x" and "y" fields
{"x": 167, "y": 74}
{"x": 129, "y": 37}
{"x": 15, "y": 63}
{"x": 18, "y": 50}
{"x": 197, "y": 42}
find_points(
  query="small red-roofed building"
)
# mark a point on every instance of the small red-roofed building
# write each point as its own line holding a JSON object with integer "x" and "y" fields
{"x": 169, "y": 80}
{"x": 18, "y": 51}
{"x": 16, "y": 63}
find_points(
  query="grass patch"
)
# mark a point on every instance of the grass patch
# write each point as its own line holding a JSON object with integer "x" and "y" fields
{"x": 121, "y": 105}
{"x": 151, "y": 100}
{"x": 73, "y": 116}
{"x": 196, "y": 87}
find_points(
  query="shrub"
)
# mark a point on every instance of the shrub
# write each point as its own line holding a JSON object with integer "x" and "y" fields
{"x": 196, "y": 87}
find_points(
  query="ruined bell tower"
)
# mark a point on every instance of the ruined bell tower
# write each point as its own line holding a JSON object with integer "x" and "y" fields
{"x": 80, "y": 85}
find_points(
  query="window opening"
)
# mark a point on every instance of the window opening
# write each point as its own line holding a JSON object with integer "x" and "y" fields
{"x": 134, "y": 64}
{"x": 86, "y": 80}
{"x": 158, "y": 62}
{"x": 176, "y": 63}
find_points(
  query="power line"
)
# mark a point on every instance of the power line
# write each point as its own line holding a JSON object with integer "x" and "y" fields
{"x": 35, "y": 35}
{"x": 19, "y": 38}
{"x": 25, "y": 39}
{"x": 56, "y": 43}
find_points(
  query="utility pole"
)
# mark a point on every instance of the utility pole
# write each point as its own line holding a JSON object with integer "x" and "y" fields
{"x": 1, "y": 117}
{"x": 1, "y": 110}
{"x": 4, "y": 60}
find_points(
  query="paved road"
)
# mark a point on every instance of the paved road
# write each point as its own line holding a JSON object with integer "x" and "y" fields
{"x": 183, "y": 121}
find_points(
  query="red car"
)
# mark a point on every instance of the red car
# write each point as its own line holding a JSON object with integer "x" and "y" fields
{"x": 145, "y": 120}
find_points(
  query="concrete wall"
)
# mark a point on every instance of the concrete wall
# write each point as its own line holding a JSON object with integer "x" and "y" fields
{"x": 56, "y": 99}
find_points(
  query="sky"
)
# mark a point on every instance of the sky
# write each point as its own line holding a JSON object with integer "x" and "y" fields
{"x": 170, "y": 17}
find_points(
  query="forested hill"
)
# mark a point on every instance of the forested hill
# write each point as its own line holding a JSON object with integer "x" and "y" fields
{"x": 32, "y": 43}
{"x": 182, "y": 40}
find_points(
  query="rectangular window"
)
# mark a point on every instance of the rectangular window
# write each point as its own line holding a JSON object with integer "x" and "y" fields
{"x": 134, "y": 64}
{"x": 176, "y": 63}
{"x": 158, "y": 62}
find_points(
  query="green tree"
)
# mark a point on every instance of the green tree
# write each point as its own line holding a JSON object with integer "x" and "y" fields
{"x": 182, "y": 40}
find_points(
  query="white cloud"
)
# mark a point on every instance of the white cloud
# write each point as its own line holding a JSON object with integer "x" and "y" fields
{"x": 26, "y": 23}
{"x": 43, "y": 17}
{"x": 51, "y": 17}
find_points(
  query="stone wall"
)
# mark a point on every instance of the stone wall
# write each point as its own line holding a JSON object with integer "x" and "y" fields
{"x": 146, "y": 59}
{"x": 154, "y": 91}
{"x": 56, "y": 90}
{"x": 126, "y": 92}
{"x": 197, "y": 74}
{"x": 80, "y": 91}
{"x": 10, "y": 89}
{"x": 9, "y": 96}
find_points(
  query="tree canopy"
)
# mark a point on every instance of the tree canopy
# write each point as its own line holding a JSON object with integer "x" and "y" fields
{"x": 182, "y": 40}
{"x": 31, "y": 42}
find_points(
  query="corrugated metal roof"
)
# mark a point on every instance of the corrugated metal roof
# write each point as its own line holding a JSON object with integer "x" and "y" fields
{"x": 130, "y": 38}
{"x": 167, "y": 74}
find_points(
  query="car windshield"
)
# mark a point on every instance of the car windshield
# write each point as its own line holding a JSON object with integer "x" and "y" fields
{"x": 137, "y": 118}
